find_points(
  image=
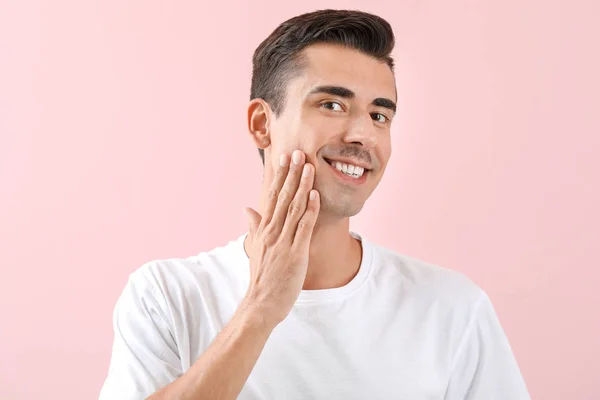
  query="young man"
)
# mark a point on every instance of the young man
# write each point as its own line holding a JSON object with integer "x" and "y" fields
{"x": 301, "y": 308}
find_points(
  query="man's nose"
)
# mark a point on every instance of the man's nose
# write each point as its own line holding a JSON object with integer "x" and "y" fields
{"x": 361, "y": 130}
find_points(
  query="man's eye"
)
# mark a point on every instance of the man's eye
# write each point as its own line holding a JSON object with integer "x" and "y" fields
{"x": 331, "y": 105}
{"x": 379, "y": 117}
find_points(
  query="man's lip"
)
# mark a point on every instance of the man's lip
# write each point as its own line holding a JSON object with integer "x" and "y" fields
{"x": 364, "y": 165}
{"x": 348, "y": 179}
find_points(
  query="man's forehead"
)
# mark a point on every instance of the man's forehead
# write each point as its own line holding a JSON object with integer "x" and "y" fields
{"x": 330, "y": 65}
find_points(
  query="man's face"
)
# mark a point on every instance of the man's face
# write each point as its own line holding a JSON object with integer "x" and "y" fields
{"x": 338, "y": 112}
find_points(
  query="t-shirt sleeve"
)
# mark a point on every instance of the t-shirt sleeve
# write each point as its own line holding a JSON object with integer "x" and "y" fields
{"x": 485, "y": 367}
{"x": 144, "y": 353}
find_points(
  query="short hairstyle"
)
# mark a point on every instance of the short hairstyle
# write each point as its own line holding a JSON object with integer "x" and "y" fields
{"x": 278, "y": 59}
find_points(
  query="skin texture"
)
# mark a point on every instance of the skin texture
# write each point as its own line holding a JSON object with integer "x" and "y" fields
{"x": 299, "y": 238}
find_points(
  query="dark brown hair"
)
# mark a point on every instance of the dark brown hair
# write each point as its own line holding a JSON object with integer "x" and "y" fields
{"x": 278, "y": 58}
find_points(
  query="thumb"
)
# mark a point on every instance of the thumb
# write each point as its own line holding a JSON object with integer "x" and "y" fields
{"x": 254, "y": 219}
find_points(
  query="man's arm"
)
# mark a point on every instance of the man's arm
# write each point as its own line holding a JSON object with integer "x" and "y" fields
{"x": 484, "y": 366}
{"x": 278, "y": 244}
{"x": 223, "y": 369}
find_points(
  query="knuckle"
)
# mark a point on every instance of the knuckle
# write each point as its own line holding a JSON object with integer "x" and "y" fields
{"x": 269, "y": 233}
{"x": 295, "y": 208}
{"x": 294, "y": 172}
{"x": 302, "y": 224}
{"x": 273, "y": 194}
{"x": 284, "y": 196}
{"x": 270, "y": 239}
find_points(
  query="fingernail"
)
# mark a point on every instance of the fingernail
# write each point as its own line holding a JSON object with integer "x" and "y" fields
{"x": 313, "y": 195}
{"x": 283, "y": 160}
{"x": 306, "y": 170}
{"x": 296, "y": 157}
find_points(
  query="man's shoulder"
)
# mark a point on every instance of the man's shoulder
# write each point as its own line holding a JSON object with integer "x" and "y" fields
{"x": 219, "y": 264}
{"x": 425, "y": 278}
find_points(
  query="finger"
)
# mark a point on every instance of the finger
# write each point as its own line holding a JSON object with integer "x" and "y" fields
{"x": 307, "y": 223}
{"x": 287, "y": 192}
{"x": 276, "y": 185}
{"x": 253, "y": 219}
{"x": 298, "y": 204}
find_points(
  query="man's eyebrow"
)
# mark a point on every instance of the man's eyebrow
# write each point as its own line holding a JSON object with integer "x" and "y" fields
{"x": 334, "y": 91}
{"x": 349, "y": 94}
{"x": 385, "y": 103}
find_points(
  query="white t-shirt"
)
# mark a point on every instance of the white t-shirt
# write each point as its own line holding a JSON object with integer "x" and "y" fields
{"x": 401, "y": 329}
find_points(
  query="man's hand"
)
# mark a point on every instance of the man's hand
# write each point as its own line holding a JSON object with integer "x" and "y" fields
{"x": 279, "y": 240}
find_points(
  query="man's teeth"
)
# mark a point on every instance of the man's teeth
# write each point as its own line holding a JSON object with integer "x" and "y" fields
{"x": 348, "y": 169}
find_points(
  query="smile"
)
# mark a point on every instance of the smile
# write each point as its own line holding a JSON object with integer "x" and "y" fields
{"x": 348, "y": 172}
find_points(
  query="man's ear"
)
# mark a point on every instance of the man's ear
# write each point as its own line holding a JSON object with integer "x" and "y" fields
{"x": 259, "y": 116}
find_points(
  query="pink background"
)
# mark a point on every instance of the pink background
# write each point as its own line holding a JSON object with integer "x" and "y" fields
{"x": 123, "y": 139}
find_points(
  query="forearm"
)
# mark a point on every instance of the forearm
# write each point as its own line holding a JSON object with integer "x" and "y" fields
{"x": 222, "y": 370}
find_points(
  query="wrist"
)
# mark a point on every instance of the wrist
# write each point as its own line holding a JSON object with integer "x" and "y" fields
{"x": 254, "y": 314}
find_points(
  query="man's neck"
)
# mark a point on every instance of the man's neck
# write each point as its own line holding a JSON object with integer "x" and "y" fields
{"x": 335, "y": 255}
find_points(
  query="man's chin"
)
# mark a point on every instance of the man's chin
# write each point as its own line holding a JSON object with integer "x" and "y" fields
{"x": 341, "y": 209}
